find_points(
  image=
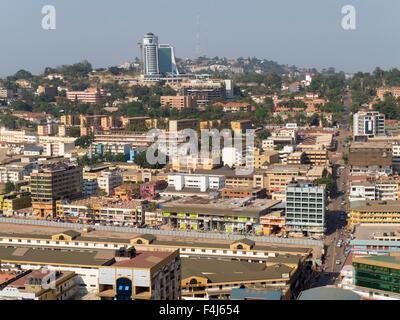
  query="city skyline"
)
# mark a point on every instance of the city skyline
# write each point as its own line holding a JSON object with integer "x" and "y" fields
{"x": 306, "y": 35}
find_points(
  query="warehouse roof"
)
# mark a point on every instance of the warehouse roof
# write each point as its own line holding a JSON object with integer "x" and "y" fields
{"x": 217, "y": 271}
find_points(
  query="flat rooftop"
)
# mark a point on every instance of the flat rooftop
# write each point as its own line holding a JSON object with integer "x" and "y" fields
{"x": 217, "y": 271}
{"x": 104, "y": 202}
{"x": 366, "y": 232}
{"x": 220, "y": 207}
{"x": 55, "y": 256}
{"x": 375, "y": 205}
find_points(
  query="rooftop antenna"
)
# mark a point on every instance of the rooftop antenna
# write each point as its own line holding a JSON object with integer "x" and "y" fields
{"x": 198, "y": 46}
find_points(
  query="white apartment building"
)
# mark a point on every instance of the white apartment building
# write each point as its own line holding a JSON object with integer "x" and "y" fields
{"x": 202, "y": 182}
{"x": 362, "y": 191}
{"x": 109, "y": 180}
{"x": 379, "y": 190}
{"x": 113, "y": 147}
{"x": 13, "y": 175}
{"x": 57, "y": 148}
{"x": 368, "y": 123}
{"x": 233, "y": 157}
{"x": 283, "y": 153}
{"x": 396, "y": 157}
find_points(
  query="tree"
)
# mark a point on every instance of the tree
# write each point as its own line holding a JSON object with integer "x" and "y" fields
{"x": 345, "y": 157}
{"x": 100, "y": 192}
{"x": 84, "y": 141}
{"x": 74, "y": 132}
{"x": 120, "y": 157}
{"x": 10, "y": 187}
{"x": 264, "y": 134}
{"x": 328, "y": 181}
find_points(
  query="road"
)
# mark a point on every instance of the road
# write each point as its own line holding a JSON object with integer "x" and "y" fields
{"x": 336, "y": 228}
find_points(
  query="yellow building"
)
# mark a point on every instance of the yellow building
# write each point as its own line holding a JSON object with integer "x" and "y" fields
{"x": 270, "y": 157}
{"x": 70, "y": 120}
{"x": 241, "y": 126}
{"x": 15, "y": 201}
{"x": 374, "y": 212}
{"x": 151, "y": 123}
{"x": 204, "y": 125}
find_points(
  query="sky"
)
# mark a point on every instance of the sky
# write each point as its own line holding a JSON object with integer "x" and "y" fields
{"x": 305, "y": 33}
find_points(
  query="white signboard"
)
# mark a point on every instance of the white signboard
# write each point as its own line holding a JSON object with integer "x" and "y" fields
{"x": 107, "y": 276}
{"x": 141, "y": 278}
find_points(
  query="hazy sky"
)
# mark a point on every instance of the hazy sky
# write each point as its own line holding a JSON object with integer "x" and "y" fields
{"x": 305, "y": 33}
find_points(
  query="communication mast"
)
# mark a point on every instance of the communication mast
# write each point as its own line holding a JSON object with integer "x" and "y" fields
{"x": 198, "y": 45}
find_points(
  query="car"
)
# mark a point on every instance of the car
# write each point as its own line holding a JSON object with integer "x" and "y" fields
{"x": 338, "y": 262}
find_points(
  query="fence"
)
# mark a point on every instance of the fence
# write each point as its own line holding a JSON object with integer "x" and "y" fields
{"x": 207, "y": 235}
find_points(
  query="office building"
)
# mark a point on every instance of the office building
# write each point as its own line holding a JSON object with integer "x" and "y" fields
{"x": 368, "y": 123}
{"x": 53, "y": 182}
{"x": 158, "y": 59}
{"x": 306, "y": 209}
{"x": 178, "y": 102}
{"x": 109, "y": 180}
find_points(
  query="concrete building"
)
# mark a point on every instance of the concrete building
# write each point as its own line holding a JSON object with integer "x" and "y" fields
{"x": 103, "y": 210}
{"x": 178, "y": 102}
{"x": 203, "y": 91}
{"x": 178, "y": 125}
{"x": 53, "y": 182}
{"x": 109, "y": 180}
{"x": 229, "y": 215}
{"x": 394, "y": 91}
{"x": 368, "y": 123}
{"x": 40, "y": 284}
{"x": 374, "y": 212}
{"x": 91, "y": 95}
{"x": 370, "y": 159}
{"x": 122, "y": 273}
{"x": 306, "y": 209}
{"x": 113, "y": 148}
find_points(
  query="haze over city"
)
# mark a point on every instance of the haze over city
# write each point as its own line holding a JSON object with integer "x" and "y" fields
{"x": 306, "y": 34}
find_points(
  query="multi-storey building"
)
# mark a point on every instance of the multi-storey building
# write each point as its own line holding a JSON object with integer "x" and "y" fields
{"x": 103, "y": 210}
{"x": 394, "y": 91}
{"x": 40, "y": 284}
{"x": 10, "y": 174}
{"x": 229, "y": 215}
{"x": 178, "y": 125}
{"x": 14, "y": 201}
{"x": 370, "y": 159}
{"x": 122, "y": 273}
{"x": 306, "y": 209}
{"x": 91, "y": 95}
{"x": 202, "y": 182}
{"x": 203, "y": 91}
{"x": 374, "y": 212}
{"x": 368, "y": 123}
{"x": 54, "y": 182}
{"x": 113, "y": 148}
{"x": 178, "y": 102}
{"x": 109, "y": 180}
{"x": 377, "y": 277}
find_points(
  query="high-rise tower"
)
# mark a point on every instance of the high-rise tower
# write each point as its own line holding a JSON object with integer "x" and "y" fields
{"x": 150, "y": 54}
{"x": 158, "y": 59}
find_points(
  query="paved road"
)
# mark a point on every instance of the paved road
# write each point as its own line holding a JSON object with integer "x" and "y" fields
{"x": 336, "y": 228}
